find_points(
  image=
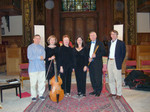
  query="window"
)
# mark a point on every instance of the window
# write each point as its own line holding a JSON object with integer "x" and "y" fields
{"x": 78, "y": 5}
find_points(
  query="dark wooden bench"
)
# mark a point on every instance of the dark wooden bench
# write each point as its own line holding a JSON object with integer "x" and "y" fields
{"x": 9, "y": 86}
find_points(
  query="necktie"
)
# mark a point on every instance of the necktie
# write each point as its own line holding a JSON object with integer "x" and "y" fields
{"x": 93, "y": 42}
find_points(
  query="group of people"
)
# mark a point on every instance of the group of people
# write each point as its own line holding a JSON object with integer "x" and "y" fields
{"x": 78, "y": 59}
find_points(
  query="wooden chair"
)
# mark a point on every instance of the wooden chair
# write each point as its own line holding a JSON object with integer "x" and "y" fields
{"x": 145, "y": 66}
{"x": 24, "y": 72}
{"x": 129, "y": 66}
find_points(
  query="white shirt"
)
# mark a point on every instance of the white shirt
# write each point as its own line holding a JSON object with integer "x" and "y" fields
{"x": 92, "y": 49}
{"x": 112, "y": 49}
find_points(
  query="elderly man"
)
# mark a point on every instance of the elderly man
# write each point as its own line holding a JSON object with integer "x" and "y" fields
{"x": 96, "y": 51}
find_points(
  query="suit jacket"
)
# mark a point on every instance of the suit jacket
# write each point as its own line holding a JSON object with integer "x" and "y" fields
{"x": 120, "y": 52}
{"x": 100, "y": 51}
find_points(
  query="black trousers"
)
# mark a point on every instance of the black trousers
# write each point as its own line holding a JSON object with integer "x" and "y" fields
{"x": 95, "y": 70}
{"x": 66, "y": 79}
{"x": 81, "y": 80}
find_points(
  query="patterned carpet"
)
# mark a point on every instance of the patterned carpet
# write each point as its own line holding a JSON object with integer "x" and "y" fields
{"x": 84, "y": 104}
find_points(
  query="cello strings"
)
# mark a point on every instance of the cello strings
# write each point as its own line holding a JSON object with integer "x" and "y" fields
{"x": 48, "y": 69}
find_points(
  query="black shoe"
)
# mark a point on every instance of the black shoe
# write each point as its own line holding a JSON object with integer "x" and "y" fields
{"x": 97, "y": 94}
{"x": 42, "y": 98}
{"x": 82, "y": 95}
{"x": 92, "y": 93}
{"x": 79, "y": 93}
{"x": 34, "y": 99}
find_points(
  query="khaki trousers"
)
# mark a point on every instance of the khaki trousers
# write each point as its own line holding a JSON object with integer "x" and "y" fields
{"x": 37, "y": 79}
{"x": 115, "y": 78}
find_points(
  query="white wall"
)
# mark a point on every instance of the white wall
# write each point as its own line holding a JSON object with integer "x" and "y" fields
{"x": 143, "y": 22}
{"x": 15, "y": 23}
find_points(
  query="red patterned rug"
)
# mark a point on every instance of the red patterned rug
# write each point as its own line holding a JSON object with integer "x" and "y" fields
{"x": 24, "y": 95}
{"x": 84, "y": 104}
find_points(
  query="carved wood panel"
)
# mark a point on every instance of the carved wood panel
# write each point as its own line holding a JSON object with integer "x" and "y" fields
{"x": 78, "y": 24}
{"x": 79, "y": 27}
{"x": 118, "y": 11}
{"x": 130, "y": 22}
{"x": 27, "y": 13}
{"x": 67, "y": 27}
{"x": 143, "y": 38}
{"x": 39, "y": 12}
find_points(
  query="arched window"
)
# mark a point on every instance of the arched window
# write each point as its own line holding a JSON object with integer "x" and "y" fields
{"x": 78, "y": 5}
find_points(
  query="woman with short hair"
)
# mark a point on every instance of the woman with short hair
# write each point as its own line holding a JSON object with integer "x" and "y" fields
{"x": 51, "y": 54}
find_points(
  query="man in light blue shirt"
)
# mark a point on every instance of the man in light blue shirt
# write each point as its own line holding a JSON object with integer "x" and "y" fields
{"x": 36, "y": 56}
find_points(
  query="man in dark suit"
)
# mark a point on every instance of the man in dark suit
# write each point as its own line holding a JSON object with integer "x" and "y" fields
{"x": 95, "y": 50}
{"x": 117, "y": 51}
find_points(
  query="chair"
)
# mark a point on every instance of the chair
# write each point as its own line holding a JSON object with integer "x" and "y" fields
{"x": 145, "y": 66}
{"x": 130, "y": 65}
{"x": 24, "y": 72}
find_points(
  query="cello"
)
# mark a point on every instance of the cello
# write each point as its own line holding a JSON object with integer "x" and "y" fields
{"x": 56, "y": 93}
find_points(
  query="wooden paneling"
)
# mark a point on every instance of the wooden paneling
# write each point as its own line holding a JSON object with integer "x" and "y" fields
{"x": 130, "y": 52}
{"x": 53, "y": 20}
{"x": 143, "y": 6}
{"x": 10, "y": 7}
{"x": 2, "y": 58}
{"x": 81, "y": 23}
{"x": 143, "y": 38}
{"x": 13, "y": 59}
{"x": 49, "y": 23}
{"x": 39, "y": 12}
{"x": 118, "y": 12}
{"x": 56, "y": 19}
{"x": 24, "y": 58}
{"x": 91, "y": 25}
{"x": 142, "y": 53}
{"x": 67, "y": 27}
{"x": 13, "y": 40}
{"x": 79, "y": 27}
{"x": 105, "y": 20}
{"x": 78, "y": 24}
{"x": 0, "y": 32}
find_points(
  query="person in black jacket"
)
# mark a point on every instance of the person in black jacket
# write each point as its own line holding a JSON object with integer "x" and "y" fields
{"x": 66, "y": 64}
{"x": 95, "y": 51}
{"x": 117, "y": 51}
{"x": 51, "y": 54}
{"x": 80, "y": 63}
